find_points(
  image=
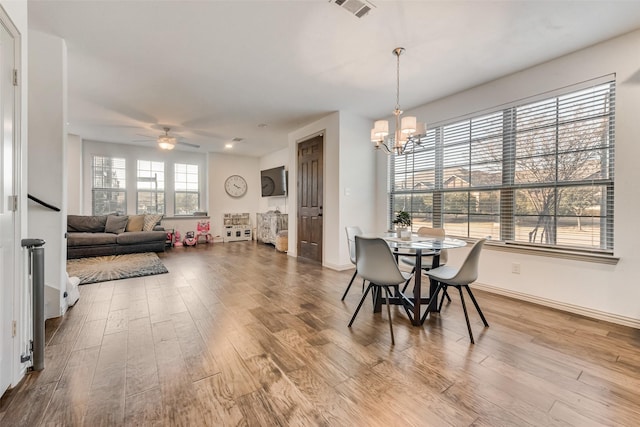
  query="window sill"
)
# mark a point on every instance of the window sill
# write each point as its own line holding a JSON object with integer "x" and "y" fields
{"x": 595, "y": 257}
{"x": 186, "y": 217}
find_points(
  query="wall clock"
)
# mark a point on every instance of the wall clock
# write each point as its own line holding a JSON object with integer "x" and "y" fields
{"x": 235, "y": 186}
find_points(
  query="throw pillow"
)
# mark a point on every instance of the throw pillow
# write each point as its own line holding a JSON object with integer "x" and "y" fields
{"x": 150, "y": 221}
{"x": 116, "y": 224}
{"x": 86, "y": 223}
{"x": 136, "y": 223}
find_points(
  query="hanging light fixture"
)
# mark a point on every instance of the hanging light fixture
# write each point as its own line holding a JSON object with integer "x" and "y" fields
{"x": 167, "y": 142}
{"x": 406, "y": 128}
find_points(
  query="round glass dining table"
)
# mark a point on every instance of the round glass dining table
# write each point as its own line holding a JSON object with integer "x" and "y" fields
{"x": 417, "y": 246}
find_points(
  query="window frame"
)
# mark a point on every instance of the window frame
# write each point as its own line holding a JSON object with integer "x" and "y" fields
{"x": 157, "y": 191}
{"x": 111, "y": 190}
{"x": 435, "y": 143}
{"x": 185, "y": 192}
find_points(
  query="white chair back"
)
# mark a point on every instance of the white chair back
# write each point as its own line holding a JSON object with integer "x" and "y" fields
{"x": 352, "y": 232}
{"x": 376, "y": 263}
{"x": 439, "y": 233}
{"x": 468, "y": 272}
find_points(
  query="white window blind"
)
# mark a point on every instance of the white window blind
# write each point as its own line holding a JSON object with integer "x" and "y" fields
{"x": 538, "y": 172}
{"x": 150, "y": 187}
{"x": 187, "y": 189}
{"x": 108, "y": 185}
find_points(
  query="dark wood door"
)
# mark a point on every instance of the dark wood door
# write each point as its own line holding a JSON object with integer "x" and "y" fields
{"x": 310, "y": 198}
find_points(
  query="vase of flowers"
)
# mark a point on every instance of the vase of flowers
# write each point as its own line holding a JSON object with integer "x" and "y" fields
{"x": 402, "y": 223}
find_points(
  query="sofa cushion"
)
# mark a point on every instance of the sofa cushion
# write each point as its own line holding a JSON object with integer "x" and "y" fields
{"x": 136, "y": 237}
{"x": 116, "y": 224}
{"x": 136, "y": 222}
{"x": 86, "y": 223}
{"x": 150, "y": 221}
{"x": 89, "y": 239}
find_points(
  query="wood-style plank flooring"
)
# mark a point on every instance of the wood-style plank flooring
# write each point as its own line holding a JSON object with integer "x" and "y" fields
{"x": 239, "y": 334}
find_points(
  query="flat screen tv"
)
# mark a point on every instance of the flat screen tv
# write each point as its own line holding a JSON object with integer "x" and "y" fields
{"x": 273, "y": 182}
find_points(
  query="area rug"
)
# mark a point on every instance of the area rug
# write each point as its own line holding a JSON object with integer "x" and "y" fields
{"x": 115, "y": 267}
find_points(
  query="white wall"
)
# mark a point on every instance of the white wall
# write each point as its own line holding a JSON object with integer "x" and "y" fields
{"x": 133, "y": 153}
{"x": 274, "y": 160}
{"x": 349, "y": 183}
{"x": 47, "y": 156}
{"x": 357, "y": 181}
{"x": 17, "y": 11}
{"x": 74, "y": 174}
{"x": 221, "y": 166}
{"x": 605, "y": 291}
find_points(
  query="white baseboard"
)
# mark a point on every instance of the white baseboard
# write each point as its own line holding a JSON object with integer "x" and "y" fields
{"x": 338, "y": 267}
{"x": 583, "y": 311}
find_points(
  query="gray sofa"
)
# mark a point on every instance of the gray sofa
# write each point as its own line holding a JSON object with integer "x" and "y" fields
{"x": 113, "y": 235}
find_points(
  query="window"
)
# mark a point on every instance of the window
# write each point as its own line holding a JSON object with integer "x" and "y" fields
{"x": 150, "y": 196}
{"x": 108, "y": 185}
{"x": 539, "y": 173}
{"x": 187, "y": 189}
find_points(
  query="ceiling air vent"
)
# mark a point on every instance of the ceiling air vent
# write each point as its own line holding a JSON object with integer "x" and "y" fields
{"x": 359, "y": 8}
{"x": 237, "y": 139}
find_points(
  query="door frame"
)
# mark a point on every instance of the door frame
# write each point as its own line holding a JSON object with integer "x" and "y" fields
{"x": 16, "y": 292}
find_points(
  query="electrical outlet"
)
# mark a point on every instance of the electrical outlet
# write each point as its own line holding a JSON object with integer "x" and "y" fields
{"x": 515, "y": 268}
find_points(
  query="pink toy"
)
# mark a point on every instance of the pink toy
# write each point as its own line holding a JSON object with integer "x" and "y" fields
{"x": 178, "y": 243}
{"x": 190, "y": 239}
{"x": 203, "y": 228}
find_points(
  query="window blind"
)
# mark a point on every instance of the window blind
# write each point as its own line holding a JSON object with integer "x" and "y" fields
{"x": 150, "y": 187}
{"x": 537, "y": 171}
{"x": 108, "y": 185}
{"x": 187, "y": 189}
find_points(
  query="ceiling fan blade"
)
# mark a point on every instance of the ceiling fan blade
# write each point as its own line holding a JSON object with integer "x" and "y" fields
{"x": 188, "y": 144}
{"x": 143, "y": 140}
{"x": 145, "y": 136}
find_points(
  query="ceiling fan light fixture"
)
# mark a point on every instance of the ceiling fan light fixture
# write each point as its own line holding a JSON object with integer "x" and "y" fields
{"x": 166, "y": 142}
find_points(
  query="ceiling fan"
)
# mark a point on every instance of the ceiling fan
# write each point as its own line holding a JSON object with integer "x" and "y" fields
{"x": 166, "y": 141}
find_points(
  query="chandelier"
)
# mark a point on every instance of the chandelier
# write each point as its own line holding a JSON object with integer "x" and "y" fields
{"x": 165, "y": 141}
{"x": 406, "y": 128}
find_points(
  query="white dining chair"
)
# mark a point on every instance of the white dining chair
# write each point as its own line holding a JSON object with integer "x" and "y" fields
{"x": 377, "y": 265}
{"x": 459, "y": 277}
{"x": 352, "y": 232}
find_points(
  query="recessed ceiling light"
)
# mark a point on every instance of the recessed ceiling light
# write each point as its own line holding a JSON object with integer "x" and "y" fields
{"x": 228, "y": 145}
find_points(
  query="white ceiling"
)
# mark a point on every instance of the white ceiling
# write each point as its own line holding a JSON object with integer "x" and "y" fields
{"x": 215, "y": 70}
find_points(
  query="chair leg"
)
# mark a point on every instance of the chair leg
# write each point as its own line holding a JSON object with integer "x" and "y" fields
{"x": 406, "y": 284}
{"x": 386, "y": 292}
{"x": 355, "y": 273}
{"x": 360, "y": 305}
{"x": 466, "y": 316}
{"x": 431, "y": 303}
{"x": 477, "y": 306}
{"x": 349, "y": 285}
{"x": 396, "y": 288}
{"x": 444, "y": 294}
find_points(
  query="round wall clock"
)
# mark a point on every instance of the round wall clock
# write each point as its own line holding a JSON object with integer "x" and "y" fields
{"x": 235, "y": 186}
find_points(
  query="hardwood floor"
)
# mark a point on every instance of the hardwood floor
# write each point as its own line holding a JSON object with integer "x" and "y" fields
{"x": 239, "y": 334}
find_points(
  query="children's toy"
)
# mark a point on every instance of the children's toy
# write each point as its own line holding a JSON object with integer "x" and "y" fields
{"x": 190, "y": 239}
{"x": 178, "y": 242}
{"x": 203, "y": 228}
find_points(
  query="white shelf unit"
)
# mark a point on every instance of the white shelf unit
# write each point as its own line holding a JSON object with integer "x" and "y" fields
{"x": 236, "y": 227}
